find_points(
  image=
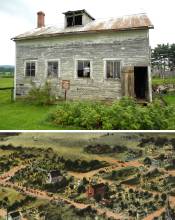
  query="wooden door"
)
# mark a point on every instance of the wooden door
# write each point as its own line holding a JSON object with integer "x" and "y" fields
{"x": 128, "y": 81}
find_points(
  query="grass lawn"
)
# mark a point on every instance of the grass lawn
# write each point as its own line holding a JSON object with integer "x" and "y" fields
{"x": 20, "y": 115}
{"x": 6, "y": 82}
{"x": 159, "y": 81}
{"x": 169, "y": 99}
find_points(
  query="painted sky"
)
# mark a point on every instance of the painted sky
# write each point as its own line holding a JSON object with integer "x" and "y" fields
{"x": 18, "y": 16}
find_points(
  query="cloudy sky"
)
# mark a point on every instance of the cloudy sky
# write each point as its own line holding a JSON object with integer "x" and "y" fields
{"x": 18, "y": 16}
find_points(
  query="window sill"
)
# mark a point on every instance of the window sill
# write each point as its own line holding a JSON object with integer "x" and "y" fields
{"x": 83, "y": 78}
{"x": 56, "y": 77}
{"x": 73, "y": 26}
{"x": 112, "y": 79}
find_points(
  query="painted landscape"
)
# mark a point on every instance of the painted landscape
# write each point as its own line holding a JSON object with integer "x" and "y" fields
{"x": 87, "y": 176}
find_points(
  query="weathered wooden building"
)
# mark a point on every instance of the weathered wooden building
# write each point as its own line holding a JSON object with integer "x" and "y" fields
{"x": 94, "y": 59}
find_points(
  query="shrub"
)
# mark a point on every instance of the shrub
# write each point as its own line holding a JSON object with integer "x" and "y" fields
{"x": 41, "y": 95}
{"x": 123, "y": 172}
{"x": 125, "y": 114}
{"x": 132, "y": 181}
{"x": 147, "y": 161}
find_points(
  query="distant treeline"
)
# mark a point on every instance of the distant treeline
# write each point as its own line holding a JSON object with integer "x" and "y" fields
{"x": 6, "y": 69}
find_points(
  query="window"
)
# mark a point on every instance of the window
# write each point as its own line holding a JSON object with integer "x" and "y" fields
{"x": 52, "y": 68}
{"x": 112, "y": 69}
{"x": 84, "y": 69}
{"x": 74, "y": 20}
{"x": 78, "y": 19}
{"x": 30, "y": 68}
{"x": 69, "y": 21}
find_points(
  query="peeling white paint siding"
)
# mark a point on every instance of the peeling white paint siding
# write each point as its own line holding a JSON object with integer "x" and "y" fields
{"x": 131, "y": 47}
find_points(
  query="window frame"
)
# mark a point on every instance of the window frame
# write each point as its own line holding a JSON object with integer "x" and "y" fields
{"x": 105, "y": 68}
{"x": 76, "y": 69}
{"x": 46, "y": 68}
{"x": 25, "y": 68}
{"x": 73, "y": 19}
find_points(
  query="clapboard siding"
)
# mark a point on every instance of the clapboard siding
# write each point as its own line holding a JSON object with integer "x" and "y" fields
{"x": 131, "y": 47}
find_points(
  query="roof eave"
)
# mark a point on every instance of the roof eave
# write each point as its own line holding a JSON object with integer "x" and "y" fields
{"x": 81, "y": 32}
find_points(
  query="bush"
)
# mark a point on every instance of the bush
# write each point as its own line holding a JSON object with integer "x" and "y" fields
{"x": 147, "y": 161}
{"x": 41, "y": 95}
{"x": 122, "y": 173}
{"x": 132, "y": 181}
{"x": 125, "y": 114}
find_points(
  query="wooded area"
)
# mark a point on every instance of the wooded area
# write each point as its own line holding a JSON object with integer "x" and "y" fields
{"x": 163, "y": 60}
{"x": 6, "y": 70}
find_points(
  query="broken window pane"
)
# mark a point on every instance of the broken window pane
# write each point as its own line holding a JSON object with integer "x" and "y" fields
{"x": 52, "y": 70}
{"x": 30, "y": 69}
{"x": 70, "y": 21}
{"x": 83, "y": 68}
{"x": 78, "y": 20}
{"x": 74, "y": 20}
{"x": 113, "y": 69}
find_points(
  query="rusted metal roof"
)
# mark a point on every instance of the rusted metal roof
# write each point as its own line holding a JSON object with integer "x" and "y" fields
{"x": 129, "y": 22}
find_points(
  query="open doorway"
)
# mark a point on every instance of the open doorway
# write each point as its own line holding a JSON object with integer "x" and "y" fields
{"x": 141, "y": 82}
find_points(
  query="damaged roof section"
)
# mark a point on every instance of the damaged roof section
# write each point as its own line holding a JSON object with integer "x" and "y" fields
{"x": 130, "y": 22}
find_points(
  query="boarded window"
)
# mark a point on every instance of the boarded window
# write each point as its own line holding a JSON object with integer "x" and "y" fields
{"x": 84, "y": 68}
{"x": 30, "y": 69}
{"x": 113, "y": 69}
{"x": 52, "y": 69}
{"x": 74, "y": 20}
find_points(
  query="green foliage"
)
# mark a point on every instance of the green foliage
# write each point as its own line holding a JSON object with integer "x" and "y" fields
{"x": 162, "y": 81}
{"x": 104, "y": 149}
{"x": 147, "y": 161}
{"x": 121, "y": 173}
{"x": 61, "y": 211}
{"x": 41, "y": 95}
{"x": 125, "y": 114}
{"x": 82, "y": 114}
{"x": 83, "y": 165}
{"x": 164, "y": 52}
{"x": 6, "y": 68}
{"x": 19, "y": 203}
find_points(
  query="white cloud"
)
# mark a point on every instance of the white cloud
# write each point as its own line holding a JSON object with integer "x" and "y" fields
{"x": 17, "y": 16}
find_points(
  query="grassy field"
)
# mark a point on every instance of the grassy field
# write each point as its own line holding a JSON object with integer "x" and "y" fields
{"x": 6, "y": 82}
{"x": 169, "y": 99}
{"x": 71, "y": 145}
{"x": 20, "y": 115}
{"x": 159, "y": 81}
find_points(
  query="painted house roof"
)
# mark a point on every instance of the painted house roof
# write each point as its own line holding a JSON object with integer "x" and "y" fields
{"x": 129, "y": 22}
